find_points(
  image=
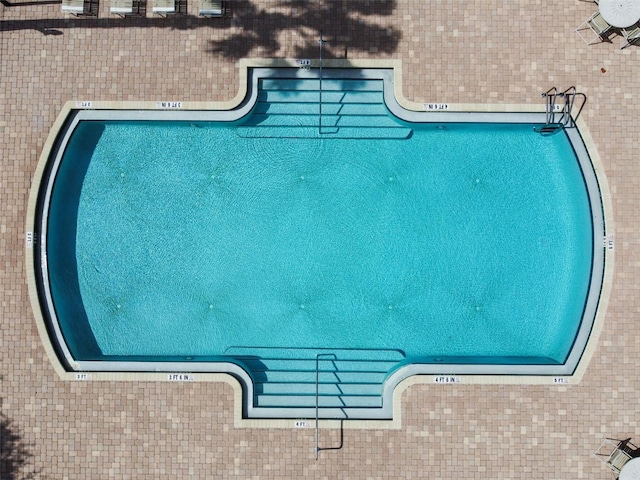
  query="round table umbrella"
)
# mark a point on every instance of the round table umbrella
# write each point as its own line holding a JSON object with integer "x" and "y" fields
{"x": 620, "y": 13}
{"x": 631, "y": 470}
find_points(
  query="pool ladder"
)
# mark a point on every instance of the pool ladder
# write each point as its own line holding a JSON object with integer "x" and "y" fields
{"x": 559, "y": 110}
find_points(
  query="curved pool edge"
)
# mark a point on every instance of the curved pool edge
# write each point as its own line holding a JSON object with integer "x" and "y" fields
{"x": 31, "y": 250}
{"x": 400, "y": 380}
{"x": 609, "y": 256}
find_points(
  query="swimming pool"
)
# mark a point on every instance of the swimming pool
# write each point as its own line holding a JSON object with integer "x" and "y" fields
{"x": 391, "y": 241}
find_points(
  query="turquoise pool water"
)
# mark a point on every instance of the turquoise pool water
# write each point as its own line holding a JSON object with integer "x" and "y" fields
{"x": 170, "y": 239}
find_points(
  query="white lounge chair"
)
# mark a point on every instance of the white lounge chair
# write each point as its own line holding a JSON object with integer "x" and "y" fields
{"x": 212, "y": 8}
{"x": 122, "y": 7}
{"x": 164, "y": 7}
{"x": 631, "y": 35}
{"x": 75, "y": 7}
{"x": 596, "y": 27}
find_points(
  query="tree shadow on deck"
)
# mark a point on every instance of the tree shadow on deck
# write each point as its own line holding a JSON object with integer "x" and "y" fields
{"x": 252, "y": 27}
{"x": 346, "y": 25}
{"x": 14, "y": 453}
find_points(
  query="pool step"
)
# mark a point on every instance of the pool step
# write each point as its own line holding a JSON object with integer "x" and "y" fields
{"x": 311, "y": 120}
{"x": 285, "y": 378}
{"x": 313, "y": 96}
{"x": 325, "y": 366}
{"x": 324, "y": 389}
{"x": 284, "y": 110}
{"x": 328, "y": 84}
{"x": 325, "y": 401}
{"x": 353, "y": 133}
{"x": 351, "y": 109}
{"x": 358, "y": 376}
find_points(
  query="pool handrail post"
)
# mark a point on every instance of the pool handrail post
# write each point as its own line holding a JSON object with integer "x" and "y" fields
{"x": 317, "y": 387}
{"x": 550, "y": 98}
{"x": 321, "y": 42}
{"x": 318, "y": 355}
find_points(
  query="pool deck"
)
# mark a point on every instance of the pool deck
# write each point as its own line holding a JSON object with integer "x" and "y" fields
{"x": 465, "y": 51}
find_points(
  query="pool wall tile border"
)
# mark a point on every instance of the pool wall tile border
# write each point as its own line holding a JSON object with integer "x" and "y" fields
{"x": 391, "y": 418}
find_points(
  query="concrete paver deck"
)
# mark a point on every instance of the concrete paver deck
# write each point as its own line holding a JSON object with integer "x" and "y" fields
{"x": 453, "y": 51}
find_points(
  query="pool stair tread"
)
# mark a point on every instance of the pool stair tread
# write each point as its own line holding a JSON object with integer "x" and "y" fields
{"x": 299, "y": 108}
{"x": 300, "y": 401}
{"x": 307, "y": 364}
{"x": 298, "y": 84}
{"x": 328, "y": 120}
{"x": 309, "y": 353}
{"x": 327, "y": 131}
{"x": 301, "y": 377}
{"x": 324, "y": 389}
{"x": 353, "y": 377}
{"x": 347, "y": 378}
{"x": 313, "y": 96}
{"x": 351, "y": 109}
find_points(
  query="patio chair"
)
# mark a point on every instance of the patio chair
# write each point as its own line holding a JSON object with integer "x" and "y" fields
{"x": 597, "y": 26}
{"x": 164, "y": 7}
{"x": 212, "y": 8}
{"x": 616, "y": 453}
{"x": 74, "y": 7}
{"x": 631, "y": 36}
{"x": 122, "y": 7}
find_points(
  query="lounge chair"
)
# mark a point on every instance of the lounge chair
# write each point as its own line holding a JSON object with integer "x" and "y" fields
{"x": 122, "y": 7}
{"x": 616, "y": 453}
{"x": 598, "y": 27}
{"x": 212, "y": 8}
{"x": 74, "y": 7}
{"x": 164, "y": 7}
{"x": 631, "y": 35}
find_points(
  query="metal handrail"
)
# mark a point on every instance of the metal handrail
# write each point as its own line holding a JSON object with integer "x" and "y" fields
{"x": 321, "y": 42}
{"x": 318, "y": 355}
{"x": 550, "y": 96}
{"x": 570, "y": 95}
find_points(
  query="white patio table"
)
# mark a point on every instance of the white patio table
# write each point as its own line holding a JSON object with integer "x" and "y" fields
{"x": 630, "y": 470}
{"x": 620, "y": 13}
